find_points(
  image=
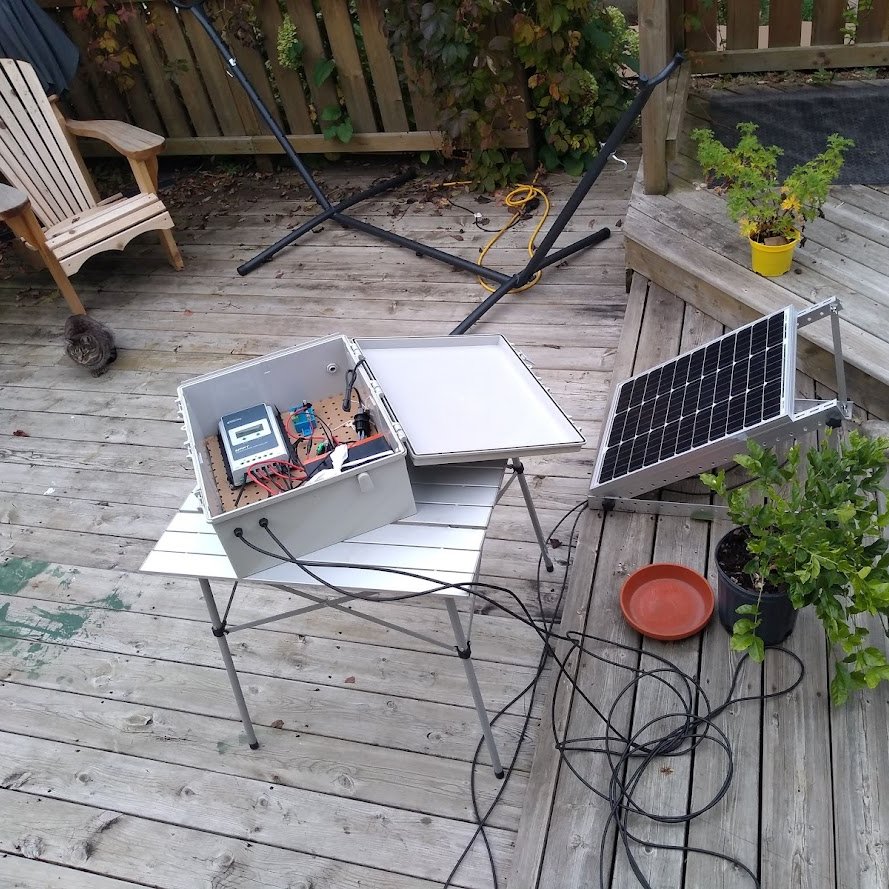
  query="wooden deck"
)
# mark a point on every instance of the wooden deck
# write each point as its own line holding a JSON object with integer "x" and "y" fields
{"x": 685, "y": 242}
{"x": 808, "y": 807}
{"x": 123, "y": 762}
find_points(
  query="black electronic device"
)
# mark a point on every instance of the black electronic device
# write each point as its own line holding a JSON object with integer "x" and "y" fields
{"x": 250, "y": 436}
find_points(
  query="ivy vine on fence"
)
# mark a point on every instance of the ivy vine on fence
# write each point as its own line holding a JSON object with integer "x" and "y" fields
{"x": 109, "y": 47}
{"x": 478, "y": 55}
{"x": 483, "y": 63}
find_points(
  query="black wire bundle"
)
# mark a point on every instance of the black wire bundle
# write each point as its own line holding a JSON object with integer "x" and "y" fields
{"x": 628, "y": 755}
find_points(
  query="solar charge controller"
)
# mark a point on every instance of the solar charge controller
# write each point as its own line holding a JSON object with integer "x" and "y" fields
{"x": 250, "y": 436}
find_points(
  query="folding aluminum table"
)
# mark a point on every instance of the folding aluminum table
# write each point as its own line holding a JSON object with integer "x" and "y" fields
{"x": 442, "y": 541}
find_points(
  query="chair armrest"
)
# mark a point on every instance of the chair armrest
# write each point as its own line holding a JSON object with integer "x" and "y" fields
{"x": 132, "y": 142}
{"x": 12, "y": 202}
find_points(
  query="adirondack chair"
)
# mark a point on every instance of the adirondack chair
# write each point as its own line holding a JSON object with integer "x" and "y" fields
{"x": 51, "y": 202}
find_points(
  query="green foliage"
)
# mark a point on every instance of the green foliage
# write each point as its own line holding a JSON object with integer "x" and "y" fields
{"x": 322, "y": 70}
{"x": 109, "y": 48}
{"x": 570, "y": 53}
{"x": 761, "y": 205}
{"x": 290, "y": 47}
{"x": 336, "y": 123}
{"x": 816, "y": 532}
{"x": 574, "y": 56}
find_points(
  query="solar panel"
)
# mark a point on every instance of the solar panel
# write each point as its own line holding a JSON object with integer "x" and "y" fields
{"x": 664, "y": 420}
{"x": 717, "y": 390}
{"x": 693, "y": 412}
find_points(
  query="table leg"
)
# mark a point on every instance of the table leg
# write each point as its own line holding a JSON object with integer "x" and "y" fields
{"x": 222, "y": 639}
{"x": 465, "y": 655}
{"x": 519, "y": 469}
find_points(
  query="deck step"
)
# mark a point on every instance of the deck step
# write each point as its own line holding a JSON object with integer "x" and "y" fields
{"x": 685, "y": 242}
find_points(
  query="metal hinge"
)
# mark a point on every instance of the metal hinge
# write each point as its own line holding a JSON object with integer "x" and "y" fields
{"x": 353, "y": 350}
{"x": 377, "y": 392}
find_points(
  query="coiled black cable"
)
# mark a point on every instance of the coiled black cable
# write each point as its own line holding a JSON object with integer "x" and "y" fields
{"x": 628, "y": 755}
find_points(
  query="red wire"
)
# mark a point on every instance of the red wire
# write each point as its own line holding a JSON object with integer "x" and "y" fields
{"x": 271, "y": 468}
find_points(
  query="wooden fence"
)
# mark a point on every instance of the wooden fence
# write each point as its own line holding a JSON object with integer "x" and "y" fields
{"x": 742, "y": 44}
{"x": 182, "y": 89}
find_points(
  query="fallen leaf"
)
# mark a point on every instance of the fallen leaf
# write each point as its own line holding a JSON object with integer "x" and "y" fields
{"x": 188, "y": 312}
{"x": 278, "y": 723}
{"x": 20, "y": 433}
{"x": 350, "y": 680}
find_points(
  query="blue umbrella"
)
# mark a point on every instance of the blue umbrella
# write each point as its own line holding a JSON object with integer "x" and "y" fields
{"x": 27, "y": 33}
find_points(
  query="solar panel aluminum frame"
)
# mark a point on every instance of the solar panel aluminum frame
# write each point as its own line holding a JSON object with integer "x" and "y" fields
{"x": 795, "y": 418}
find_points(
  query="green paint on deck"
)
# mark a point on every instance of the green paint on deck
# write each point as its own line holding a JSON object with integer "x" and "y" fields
{"x": 47, "y": 626}
{"x": 65, "y": 575}
{"x": 53, "y": 626}
{"x": 61, "y": 625}
{"x": 8, "y": 644}
{"x": 112, "y": 601}
{"x": 16, "y": 573}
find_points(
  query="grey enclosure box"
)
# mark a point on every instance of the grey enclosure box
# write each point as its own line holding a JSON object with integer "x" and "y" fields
{"x": 437, "y": 399}
{"x": 312, "y": 516}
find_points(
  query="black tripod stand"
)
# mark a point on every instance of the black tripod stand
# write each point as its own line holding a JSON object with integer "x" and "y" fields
{"x": 542, "y": 256}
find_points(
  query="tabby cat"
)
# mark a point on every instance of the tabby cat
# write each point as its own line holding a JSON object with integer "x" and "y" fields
{"x": 89, "y": 343}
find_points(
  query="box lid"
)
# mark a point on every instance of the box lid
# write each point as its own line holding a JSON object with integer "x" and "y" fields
{"x": 466, "y": 398}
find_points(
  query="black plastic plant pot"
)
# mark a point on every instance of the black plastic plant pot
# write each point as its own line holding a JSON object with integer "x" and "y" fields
{"x": 776, "y": 611}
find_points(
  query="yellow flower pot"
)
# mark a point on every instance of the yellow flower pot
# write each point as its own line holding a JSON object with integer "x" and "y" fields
{"x": 772, "y": 261}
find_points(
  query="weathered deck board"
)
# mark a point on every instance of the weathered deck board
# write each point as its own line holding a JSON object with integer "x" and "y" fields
{"x": 352, "y": 769}
{"x": 125, "y": 760}
{"x": 109, "y": 843}
{"x": 807, "y": 803}
{"x": 685, "y": 542}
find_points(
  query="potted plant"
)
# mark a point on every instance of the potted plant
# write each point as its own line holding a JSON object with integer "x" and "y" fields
{"x": 771, "y": 214}
{"x": 809, "y": 535}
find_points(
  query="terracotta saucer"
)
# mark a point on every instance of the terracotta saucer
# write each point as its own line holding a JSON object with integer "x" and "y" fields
{"x": 667, "y": 601}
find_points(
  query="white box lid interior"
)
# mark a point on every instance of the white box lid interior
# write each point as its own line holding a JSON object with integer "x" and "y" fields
{"x": 466, "y": 398}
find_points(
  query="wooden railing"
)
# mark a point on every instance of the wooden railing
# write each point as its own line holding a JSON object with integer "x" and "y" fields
{"x": 742, "y": 44}
{"x": 182, "y": 89}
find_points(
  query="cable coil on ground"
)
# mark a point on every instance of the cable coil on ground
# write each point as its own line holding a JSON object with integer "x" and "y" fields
{"x": 674, "y": 733}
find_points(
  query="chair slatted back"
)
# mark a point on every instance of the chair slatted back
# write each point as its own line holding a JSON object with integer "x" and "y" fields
{"x": 35, "y": 156}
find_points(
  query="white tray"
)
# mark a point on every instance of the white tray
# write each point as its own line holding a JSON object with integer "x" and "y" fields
{"x": 462, "y": 398}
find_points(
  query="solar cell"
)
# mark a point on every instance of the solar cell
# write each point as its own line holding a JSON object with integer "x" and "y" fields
{"x": 717, "y": 390}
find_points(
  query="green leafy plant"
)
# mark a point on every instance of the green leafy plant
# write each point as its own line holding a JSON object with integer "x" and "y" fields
{"x": 816, "y": 534}
{"x": 757, "y": 201}
{"x": 574, "y": 53}
{"x": 290, "y": 47}
{"x": 477, "y": 56}
{"x": 336, "y": 123}
{"x": 322, "y": 71}
{"x": 109, "y": 48}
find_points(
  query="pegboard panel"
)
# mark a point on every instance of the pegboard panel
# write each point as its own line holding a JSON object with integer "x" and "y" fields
{"x": 329, "y": 410}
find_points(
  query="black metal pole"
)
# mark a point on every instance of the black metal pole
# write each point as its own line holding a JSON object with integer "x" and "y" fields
{"x": 500, "y": 292}
{"x": 196, "y": 9}
{"x": 295, "y": 234}
{"x": 618, "y": 134}
{"x": 540, "y": 259}
{"x": 423, "y": 249}
{"x": 589, "y": 241}
{"x": 483, "y": 307}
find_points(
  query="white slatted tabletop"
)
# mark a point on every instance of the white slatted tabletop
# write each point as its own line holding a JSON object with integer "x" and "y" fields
{"x": 442, "y": 541}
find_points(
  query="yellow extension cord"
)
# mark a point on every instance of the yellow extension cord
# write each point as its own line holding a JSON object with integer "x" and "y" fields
{"x": 516, "y": 200}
